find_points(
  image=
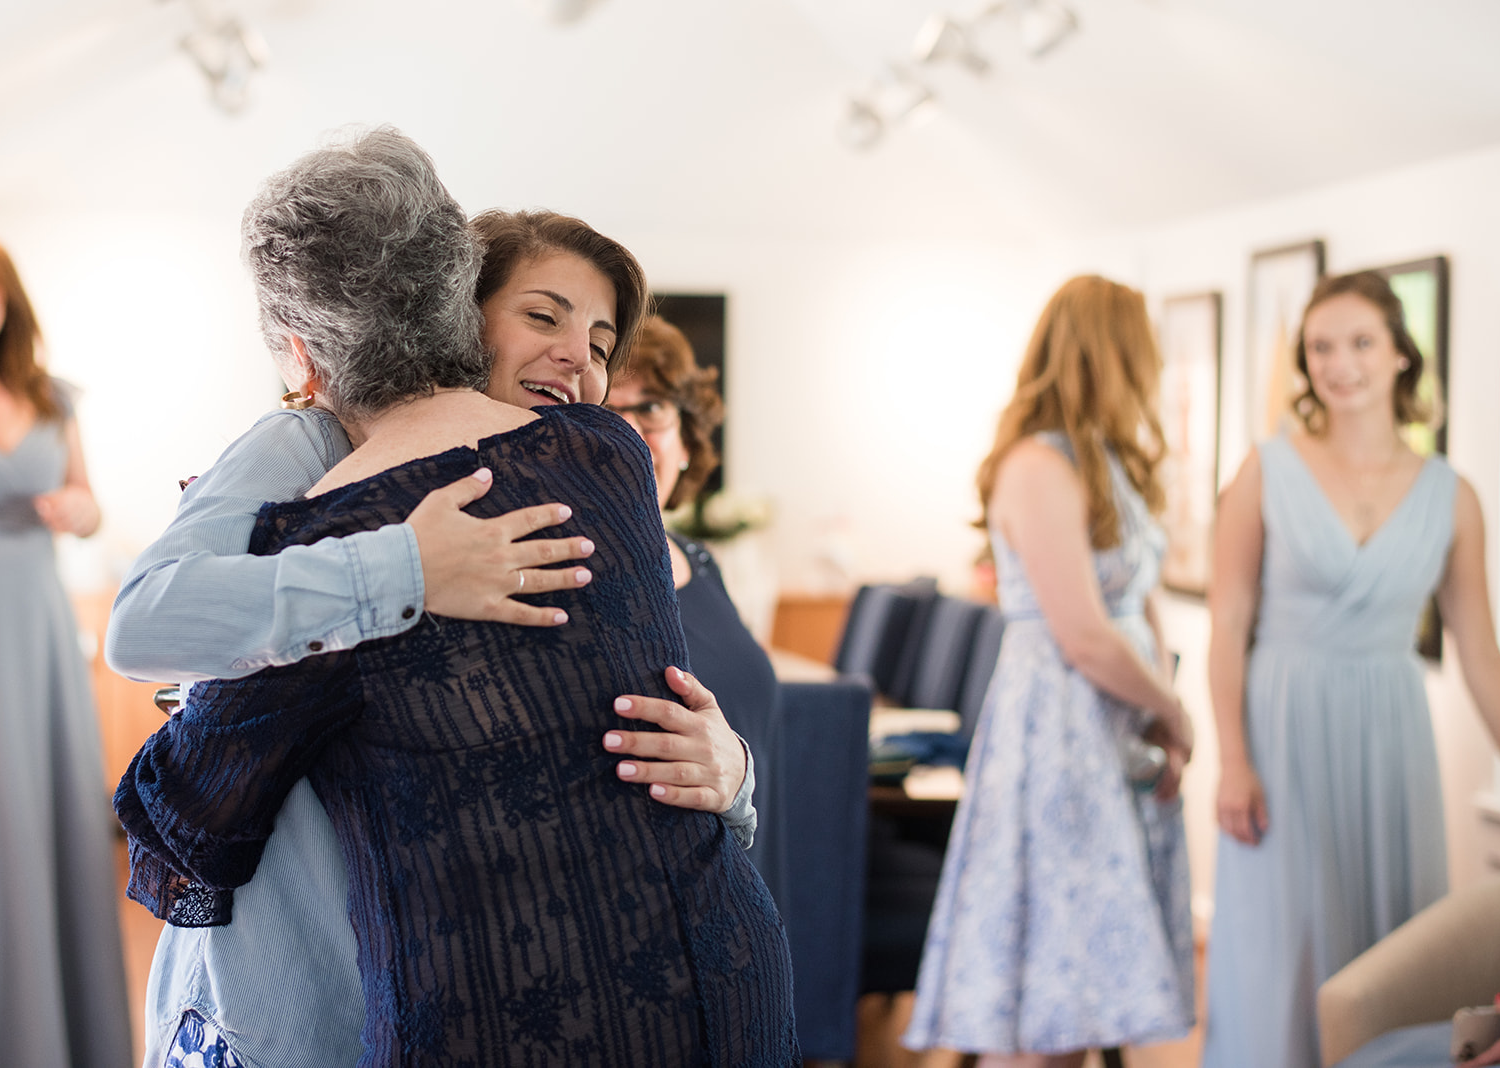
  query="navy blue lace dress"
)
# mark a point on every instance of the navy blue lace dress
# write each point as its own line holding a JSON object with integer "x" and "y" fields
{"x": 514, "y": 903}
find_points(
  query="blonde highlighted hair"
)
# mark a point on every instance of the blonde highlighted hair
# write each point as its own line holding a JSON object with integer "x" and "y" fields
{"x": 1090, "y": 371}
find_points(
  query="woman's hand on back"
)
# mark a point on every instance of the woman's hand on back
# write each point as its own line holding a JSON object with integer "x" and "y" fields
{"x": 474, "y": 568}
{"x": 695, "y": 761}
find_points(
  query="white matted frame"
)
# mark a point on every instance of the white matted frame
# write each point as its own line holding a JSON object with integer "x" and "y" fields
{"x": 1281, "y": 281}
{"x": 1191, "y": 339}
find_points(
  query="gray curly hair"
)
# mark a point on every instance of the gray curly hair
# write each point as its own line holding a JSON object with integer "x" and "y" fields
{"x": 359, "y": 250}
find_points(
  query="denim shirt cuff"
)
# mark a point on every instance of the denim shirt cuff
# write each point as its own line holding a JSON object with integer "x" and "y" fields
{"x": 740, "y": 816}
{"x": 387, "y": 570}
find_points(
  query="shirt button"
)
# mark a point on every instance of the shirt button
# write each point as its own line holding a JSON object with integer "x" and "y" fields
{"x": 316, "y": 647}
{"x": 408, "y": 612}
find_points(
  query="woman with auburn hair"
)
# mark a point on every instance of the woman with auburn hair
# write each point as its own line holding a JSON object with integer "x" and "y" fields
{"x": 1061, "y": 922}
{"x": 62, "y": 973}
{"x": 674, "y": 406}
{"x": 1329, "y": 542}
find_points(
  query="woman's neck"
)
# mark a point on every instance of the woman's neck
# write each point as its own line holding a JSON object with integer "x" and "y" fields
{"x": 401, "y": 417}
{"x": 1362, "y": 437}
{"x": 420, "y": 426}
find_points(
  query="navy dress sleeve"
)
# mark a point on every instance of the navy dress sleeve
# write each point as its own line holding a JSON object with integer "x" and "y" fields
{"x": 200, "y": 798}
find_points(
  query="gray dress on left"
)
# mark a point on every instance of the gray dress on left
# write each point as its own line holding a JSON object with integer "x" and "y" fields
{"x": 62, "y": 973}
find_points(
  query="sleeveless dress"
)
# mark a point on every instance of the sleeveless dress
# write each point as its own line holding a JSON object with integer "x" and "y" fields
{"x": 1337, "y": 723}
{"x": 1061, "y": 921}
{"x": 62, "y": 973}
{"x": 513, "y": 902}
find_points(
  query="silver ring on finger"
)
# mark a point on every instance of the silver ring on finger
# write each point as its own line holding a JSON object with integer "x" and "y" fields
{"x": 520, "y": 580}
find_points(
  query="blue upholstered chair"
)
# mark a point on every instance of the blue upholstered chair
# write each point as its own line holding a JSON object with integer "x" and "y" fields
{"x": 810, "y": 849}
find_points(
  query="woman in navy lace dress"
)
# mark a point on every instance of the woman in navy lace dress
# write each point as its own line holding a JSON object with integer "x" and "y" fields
{"x": 513, "y": 901}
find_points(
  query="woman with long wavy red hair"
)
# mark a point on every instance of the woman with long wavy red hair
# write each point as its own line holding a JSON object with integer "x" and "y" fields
{"x": 1061, "y": 922}
{"x": 62, "y": 974}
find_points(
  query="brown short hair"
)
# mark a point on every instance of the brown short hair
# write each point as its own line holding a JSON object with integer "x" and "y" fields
{"x": 514, "y": 237}
{"x": 1372, "y": 287}
{"x": 663, "y": 361}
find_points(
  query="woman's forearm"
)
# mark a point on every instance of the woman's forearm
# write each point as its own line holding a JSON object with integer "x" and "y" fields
{"x": 1226, "y": 687}
{"x": 195, "y": 605}
{"x": 1107, "y": 659}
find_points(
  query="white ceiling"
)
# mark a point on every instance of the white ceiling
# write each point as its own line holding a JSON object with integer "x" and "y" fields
{"x": 720, "y": 116}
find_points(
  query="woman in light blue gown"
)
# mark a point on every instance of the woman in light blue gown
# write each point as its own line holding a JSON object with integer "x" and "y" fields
{"x": 1329, "y": 543}
{"x": 62, "y": 969}
{"x": 1061, "y": 921}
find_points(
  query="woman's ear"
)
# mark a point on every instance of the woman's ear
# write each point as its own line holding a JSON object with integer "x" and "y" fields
{"x": 300, "y": 365}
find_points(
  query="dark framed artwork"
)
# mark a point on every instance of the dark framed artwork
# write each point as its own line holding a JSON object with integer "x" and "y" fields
{"x": 1422, "y": 287}
{"x": 1281, "y": 281}
{"x": 1191, "y": 348}
{"x": 701, "y": 318}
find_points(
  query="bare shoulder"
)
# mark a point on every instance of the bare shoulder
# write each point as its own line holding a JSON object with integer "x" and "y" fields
{"x": 1034, "y": 466}
{"x": 1468, "y": 516}
{"x": 1244, "y": 488}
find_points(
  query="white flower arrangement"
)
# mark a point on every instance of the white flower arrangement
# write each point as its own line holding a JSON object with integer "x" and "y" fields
{"x": 721, "y": 516}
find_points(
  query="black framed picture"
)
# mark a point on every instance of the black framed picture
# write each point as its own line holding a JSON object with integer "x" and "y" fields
{"x": 1191, "y": 348}
{"x": 1281, "y": 281}
{"x": 701, "y": 318}
{"x": 1422, "y": 287}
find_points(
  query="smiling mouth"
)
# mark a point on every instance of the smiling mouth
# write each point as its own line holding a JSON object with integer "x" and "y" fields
{"x": 542, "y": 389}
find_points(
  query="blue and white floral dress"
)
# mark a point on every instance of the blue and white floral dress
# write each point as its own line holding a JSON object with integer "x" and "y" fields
{"x": 1062, "y": 918}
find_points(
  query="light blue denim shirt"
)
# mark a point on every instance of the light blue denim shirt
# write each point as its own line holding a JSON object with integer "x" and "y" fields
{"x": 281, "y": 981}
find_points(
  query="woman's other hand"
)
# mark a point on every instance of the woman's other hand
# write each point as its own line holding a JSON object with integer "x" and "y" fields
{"x": 1242, "y": 803}
{"x": 1179, "y": 751}
{"x": 474, "y": 568}
{"x": 68, "y": 510}
{"x": 696, "y": 761}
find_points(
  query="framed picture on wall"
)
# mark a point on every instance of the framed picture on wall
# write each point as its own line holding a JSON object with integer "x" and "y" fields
{"x": 1281, "y": 280}
{"x": 700, "y": 317}
{"x": 1191, "y": 349}
{"x": 1422, "y": 287}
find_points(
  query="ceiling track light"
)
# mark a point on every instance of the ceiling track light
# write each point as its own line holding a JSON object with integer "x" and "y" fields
{"x": 943, "y": 39}
{"x": 893, "y": 97}
{"x": 560, "y": 12}
{"x": 1040, "y": 25}
{"x": 1045, "y": 24}
{"x": 227, "y": 51}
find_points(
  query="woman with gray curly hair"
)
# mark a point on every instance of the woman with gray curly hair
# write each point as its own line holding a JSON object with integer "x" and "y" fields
{"x": 458, "y": 760}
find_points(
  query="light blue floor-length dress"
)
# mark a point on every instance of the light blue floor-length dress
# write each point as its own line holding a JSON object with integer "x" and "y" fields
{"x": 1062, "y": 919}
{"x": 1337, "y": 725}
{"x": 62, "y": 972}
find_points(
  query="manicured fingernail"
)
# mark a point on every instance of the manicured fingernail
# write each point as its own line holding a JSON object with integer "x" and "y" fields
{"x": 613, "y": 740}
{"x": 484, "y": 474}
{"x": 585, "y": 547}
{"x": 564, "y": 513}
{"x": 628, "y": 771}
{"x": 561, "y": 617}
{"x": 658, "y": 790}
{"x": 622, "y": 704}
{"x": 582, "y": 575}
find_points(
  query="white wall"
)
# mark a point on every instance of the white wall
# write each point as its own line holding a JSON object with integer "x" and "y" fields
{"x": 1446, "y": 207}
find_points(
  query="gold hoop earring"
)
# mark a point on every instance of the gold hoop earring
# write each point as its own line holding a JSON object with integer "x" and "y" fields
{"x": 295, "y": 401}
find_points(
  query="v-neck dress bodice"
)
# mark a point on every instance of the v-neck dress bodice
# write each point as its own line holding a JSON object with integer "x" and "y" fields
{"x": 62, "y": 972}
{"x": 1337, "y": 724}
{"x": 1320, "y": 587}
